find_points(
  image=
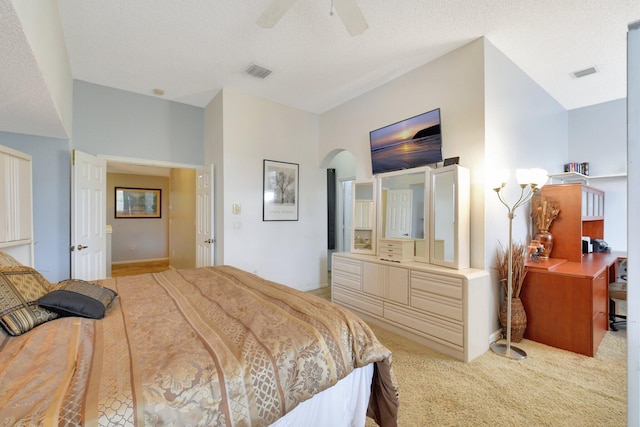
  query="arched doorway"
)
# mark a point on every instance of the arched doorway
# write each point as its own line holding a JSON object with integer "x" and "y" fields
{"x": 344, "y": 165}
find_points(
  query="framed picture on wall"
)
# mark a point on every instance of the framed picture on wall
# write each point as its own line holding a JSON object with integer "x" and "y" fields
{"x": 138, "y": 202}
{"x": 280, "y": 191}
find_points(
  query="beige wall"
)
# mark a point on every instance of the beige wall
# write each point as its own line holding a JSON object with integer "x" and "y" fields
{"x": 182, "y": 216}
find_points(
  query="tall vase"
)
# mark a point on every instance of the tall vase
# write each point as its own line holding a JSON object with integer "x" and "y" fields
{"x": 546, "y": 239}
{"x": 518, "y": 319}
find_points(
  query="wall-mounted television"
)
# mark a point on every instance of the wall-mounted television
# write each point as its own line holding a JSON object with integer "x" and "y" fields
{"x": 413, "y": 142}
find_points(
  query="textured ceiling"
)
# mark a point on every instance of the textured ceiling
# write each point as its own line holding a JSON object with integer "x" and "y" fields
{"x": 193, "y": 48}
{"x": 26, "y": 105}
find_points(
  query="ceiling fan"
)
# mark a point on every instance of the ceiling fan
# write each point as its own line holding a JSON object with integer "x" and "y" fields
{"x": 347, "y": 10}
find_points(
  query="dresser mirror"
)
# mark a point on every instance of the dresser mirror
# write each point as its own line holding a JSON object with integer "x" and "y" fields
{"x": 363, "y": 213}
{"x": 402, "y": 208}
{"x": 449, "y": 221}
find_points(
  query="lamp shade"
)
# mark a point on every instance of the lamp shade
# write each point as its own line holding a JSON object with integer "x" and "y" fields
{"x": 524, "y": 176}
{"x": 539, "y": 177}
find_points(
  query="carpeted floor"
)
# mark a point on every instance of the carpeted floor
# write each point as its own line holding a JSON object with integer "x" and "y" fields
{"x": 551, "y": 387}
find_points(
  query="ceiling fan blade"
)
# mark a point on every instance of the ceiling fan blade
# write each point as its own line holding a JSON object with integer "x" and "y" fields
{"x": 351, "y": 16}
{"x": 274, "y": 12}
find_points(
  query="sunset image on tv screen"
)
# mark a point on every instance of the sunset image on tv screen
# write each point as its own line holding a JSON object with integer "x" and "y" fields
{"x": 410, "y": 143}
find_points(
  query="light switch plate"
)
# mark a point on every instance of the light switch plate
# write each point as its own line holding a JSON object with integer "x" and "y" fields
{"x": 237, "y": 208}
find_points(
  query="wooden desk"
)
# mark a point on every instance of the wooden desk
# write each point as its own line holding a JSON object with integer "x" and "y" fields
{"x": 567, "y": 303}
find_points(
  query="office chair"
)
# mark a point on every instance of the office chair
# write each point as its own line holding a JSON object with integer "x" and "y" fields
{"x": 617, "y": 292}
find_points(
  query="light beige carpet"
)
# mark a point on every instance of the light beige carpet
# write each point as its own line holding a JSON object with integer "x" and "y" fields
{"x": 551, "y": 387}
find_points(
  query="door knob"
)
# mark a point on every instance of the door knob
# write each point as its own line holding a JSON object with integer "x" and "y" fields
{"x": 81, "y": 247}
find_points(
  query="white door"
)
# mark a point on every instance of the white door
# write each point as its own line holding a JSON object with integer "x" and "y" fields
{"x": 398, "y": 221}
{"x": 205, "y": 248}
{"x": 88, "y": 217}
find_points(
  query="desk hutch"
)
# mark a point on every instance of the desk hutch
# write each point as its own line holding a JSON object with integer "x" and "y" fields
{"x": 566, "y": 297}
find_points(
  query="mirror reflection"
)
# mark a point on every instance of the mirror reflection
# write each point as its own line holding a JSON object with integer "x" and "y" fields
{"x": 403, "y": 208}
{"x": 363, "y": 215}
{"x": 443, "y": 193}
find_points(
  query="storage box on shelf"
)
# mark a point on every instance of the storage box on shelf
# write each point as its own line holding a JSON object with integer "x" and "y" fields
{"x": 442, "y": 308}
{"x": 398, "y": 250}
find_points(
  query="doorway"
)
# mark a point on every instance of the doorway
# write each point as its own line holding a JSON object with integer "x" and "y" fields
{"x": 153, "y": 244}
{"x": 344, "y": 164}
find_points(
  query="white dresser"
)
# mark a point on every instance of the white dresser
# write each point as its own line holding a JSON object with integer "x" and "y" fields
{"x": 445, "y": 309}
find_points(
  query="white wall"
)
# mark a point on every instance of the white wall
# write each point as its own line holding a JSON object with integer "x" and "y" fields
{"x": 453, "y": 83}
{"x": 525, "y": 128}
{"x": 290, "y": 252}
{"x": 598, "y": 135}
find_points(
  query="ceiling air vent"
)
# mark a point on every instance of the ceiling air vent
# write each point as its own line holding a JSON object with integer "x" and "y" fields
{"x": 583, "y": 73}
{"x": 257, "y": 71}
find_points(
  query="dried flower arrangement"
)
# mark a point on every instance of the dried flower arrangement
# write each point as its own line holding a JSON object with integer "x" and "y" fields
{"x": 544, "y": 212}
{"x": 519, "y": 255}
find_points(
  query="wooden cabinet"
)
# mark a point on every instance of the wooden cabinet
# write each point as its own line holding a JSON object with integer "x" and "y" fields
{"x": 16, "y": 223}
{"x": 386, "y": 281}
{"x": 442, "y": 308}
{"x": 567, "y": 303}
{"x": 581, "y": 214}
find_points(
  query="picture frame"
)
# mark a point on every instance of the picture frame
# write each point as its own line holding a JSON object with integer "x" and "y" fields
{"x": 280, "y": 191}
{"x": 138, "y": 202}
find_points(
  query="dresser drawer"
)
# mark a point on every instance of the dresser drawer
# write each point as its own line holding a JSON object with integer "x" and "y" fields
{"x": 443, "y": 331}
{"x": 431, "y": 303}
{"x": 450, "y": 287}
{"x": 600, "y": 294}
{"x": 357, "y": 300}
{"x": 347, "y": 280}
{"x": 346, "y": 266}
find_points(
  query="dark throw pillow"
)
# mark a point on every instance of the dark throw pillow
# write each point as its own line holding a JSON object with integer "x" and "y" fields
{"x": 78, "y": 298}
{"x": 20, "y": 288}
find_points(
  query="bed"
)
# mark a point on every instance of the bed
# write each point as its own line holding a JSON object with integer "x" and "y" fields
{"x": 210, "y": 346}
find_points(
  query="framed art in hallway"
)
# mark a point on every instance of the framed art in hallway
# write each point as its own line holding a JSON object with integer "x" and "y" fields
{"x": 280, "y": 191}
{"x": 138, "y": 202}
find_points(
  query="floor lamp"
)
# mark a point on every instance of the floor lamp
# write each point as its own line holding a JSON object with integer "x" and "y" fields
{"x": 529, "y": 180}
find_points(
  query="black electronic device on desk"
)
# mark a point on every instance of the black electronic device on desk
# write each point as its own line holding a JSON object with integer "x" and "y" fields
{"x": 600, "y": 246}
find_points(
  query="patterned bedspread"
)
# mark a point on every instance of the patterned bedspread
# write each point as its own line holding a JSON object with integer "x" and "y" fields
{"x": 211, "y": 346}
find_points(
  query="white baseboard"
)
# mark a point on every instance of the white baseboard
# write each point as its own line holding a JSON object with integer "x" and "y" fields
{"x": 495, "y": 336}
